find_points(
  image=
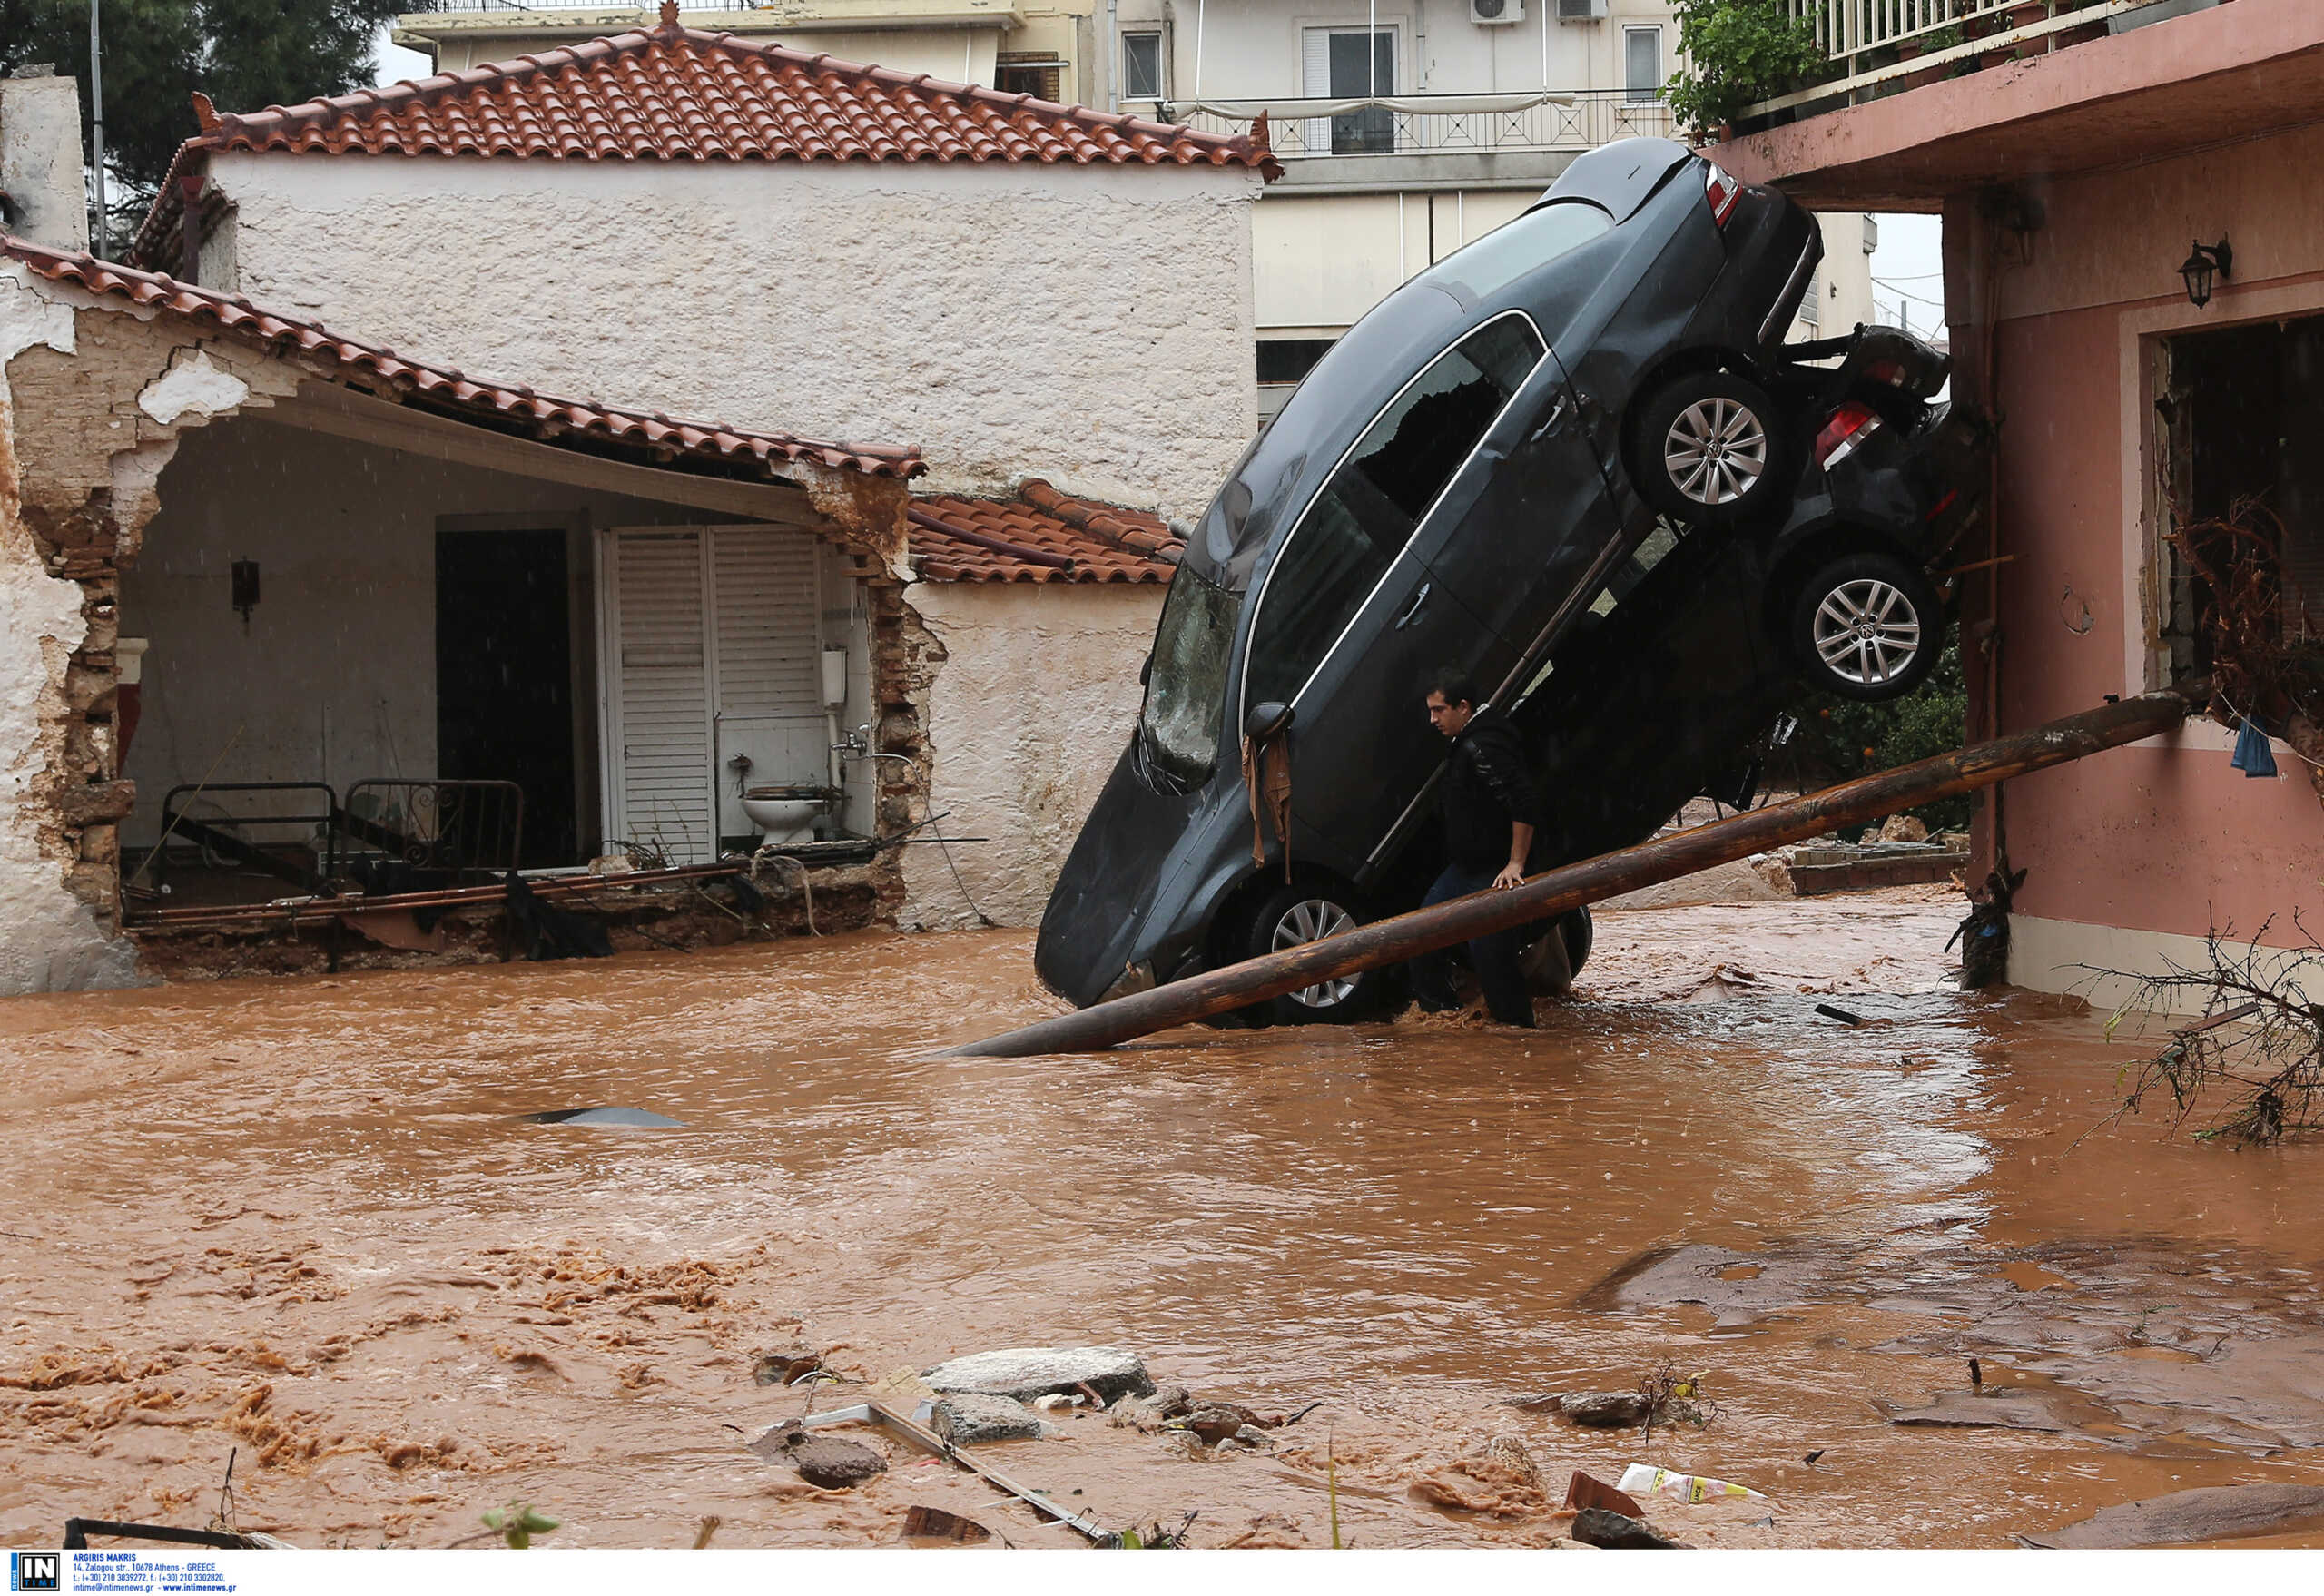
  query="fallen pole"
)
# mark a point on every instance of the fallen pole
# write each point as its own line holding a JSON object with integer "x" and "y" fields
{"x": 1555, "y": 891}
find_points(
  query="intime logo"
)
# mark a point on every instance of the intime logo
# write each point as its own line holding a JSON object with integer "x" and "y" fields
{"x": 35, "y": 1570}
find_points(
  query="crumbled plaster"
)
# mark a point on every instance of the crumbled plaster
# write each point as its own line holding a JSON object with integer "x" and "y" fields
{"x": 193, "y": 383}
{"x": 80, "y": 459}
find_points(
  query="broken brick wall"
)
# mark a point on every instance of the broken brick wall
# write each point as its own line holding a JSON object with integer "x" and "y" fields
{"x": 92, "y": 402}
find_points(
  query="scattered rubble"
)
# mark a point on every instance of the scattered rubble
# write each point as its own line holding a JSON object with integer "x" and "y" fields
{"x": 1598, "y": 1526}
{"x": 1605, "y": 1410}
{"x": 822, "y": 1461}
{"x": 966, "y": 1419}
{"x": 934, "y": 1523}
{"x": 785, "y": 1368}
{"x": 1030, "y": 1372}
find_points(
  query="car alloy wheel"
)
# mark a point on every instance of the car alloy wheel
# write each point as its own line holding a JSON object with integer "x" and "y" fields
{"x": 1715, "y": 452}
{"x": 1867, "y": 626}
{"x": 1868, "y": 632}
{"x": 1311, "y": 919}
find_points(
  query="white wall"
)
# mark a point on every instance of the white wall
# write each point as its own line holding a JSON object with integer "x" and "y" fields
{"x": 49, "y": 941}
{"x": 334, "y": 677}
{"x": 1027, "y": 716}
{"x": 1321, "y": 260}
{"x": 1087, "y": 324}
{"x": 40, "y": 160}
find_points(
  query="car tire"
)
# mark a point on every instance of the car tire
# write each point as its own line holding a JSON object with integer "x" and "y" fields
{"x": 1710, "y": 450}
{"x": 1867, "y": 626}
{"x": 1292, "y": 916}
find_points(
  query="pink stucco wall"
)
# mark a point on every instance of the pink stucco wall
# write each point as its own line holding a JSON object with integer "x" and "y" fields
{"x": 2162, "y": 837}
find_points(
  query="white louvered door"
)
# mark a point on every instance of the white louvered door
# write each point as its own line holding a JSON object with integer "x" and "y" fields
{"x": 712, "y": 650}
{"x": 660, "y": 730}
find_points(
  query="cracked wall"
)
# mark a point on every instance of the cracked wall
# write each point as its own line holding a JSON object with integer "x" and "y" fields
{"x": 92, "y": 402}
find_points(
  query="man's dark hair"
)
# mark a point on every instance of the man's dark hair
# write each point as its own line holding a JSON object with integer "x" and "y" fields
{"x": 1454, "y": 684}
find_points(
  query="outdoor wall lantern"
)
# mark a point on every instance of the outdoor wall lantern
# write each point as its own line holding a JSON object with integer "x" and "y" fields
{"x": 2203, "y": 262}
{"x": 244, "y": 583}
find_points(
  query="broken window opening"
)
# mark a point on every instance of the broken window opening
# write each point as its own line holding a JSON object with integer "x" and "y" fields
{"x": 2235, "y": 410}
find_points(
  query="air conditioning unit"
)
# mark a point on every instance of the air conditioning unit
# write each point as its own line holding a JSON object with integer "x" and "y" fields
{"x": 1581, "y": 10}
{"x": 1493, "y": 14}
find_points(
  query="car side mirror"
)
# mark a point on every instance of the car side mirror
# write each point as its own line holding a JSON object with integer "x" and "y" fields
{"x": 1267, "y": 721}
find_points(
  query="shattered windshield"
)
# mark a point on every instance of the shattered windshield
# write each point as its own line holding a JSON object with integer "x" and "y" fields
{"x": 1186, "y": 690}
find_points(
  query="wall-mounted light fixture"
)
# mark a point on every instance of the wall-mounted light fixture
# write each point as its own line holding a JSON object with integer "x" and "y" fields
{"x": 244, "y": 584}
{"x": 2201, "y": 263}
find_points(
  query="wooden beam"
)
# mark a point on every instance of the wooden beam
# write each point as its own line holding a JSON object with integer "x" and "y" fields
{"x": 1554, "y": 892}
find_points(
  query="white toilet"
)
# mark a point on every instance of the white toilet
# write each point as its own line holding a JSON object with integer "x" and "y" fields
{"x": 784, "y": 814}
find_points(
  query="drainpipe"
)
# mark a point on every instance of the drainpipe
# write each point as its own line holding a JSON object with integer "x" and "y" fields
{"x": 1114, "y": 55}
{"x": 97, "y": 125}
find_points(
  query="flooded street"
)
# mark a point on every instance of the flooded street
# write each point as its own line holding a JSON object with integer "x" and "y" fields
{"x": 302, "y": 1219}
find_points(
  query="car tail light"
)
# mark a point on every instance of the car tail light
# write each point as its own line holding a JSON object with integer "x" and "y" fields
{"x": 1850, "y": 425}
{"x": 1722, "y": 189}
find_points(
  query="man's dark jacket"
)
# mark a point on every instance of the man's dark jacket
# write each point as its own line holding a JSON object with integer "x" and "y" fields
{"x": 1487, "y": 786}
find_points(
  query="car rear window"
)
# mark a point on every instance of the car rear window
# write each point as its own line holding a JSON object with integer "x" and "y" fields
{"x": 1368, "y": 511}
{"x": 1516, "y": 248}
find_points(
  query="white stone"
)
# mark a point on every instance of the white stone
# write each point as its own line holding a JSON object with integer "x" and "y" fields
{"x": 1025, "y": 1373}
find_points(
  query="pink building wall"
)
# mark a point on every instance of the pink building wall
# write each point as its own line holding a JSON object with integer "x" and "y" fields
{"x": 2132, "y": 852}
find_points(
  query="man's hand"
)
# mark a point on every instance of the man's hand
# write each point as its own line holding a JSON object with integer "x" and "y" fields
{"x": 1521, "y": 848}
{"x": 1511, "y": 875}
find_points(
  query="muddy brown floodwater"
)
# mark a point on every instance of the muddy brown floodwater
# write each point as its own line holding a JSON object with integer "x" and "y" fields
{"x": 302, "y": 1219}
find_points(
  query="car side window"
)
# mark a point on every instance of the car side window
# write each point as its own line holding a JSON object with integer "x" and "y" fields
{"x": 1376, "y": 500}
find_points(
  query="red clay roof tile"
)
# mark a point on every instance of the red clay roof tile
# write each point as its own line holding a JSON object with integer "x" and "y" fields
{"x": 1104, "y": 543}
{"x": 678, "y": 94}
{"x": 665, "y": 438}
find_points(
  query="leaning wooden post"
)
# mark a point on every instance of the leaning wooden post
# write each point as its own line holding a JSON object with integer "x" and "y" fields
{"x": 1555, "y": 891}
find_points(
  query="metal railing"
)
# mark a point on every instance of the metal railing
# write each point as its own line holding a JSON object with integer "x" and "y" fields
{"x": 1876, "y": 44}
{"x": 1580, "y": 119}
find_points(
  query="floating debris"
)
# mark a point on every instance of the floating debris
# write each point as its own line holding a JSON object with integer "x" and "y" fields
{"x": 628, "y": 1118}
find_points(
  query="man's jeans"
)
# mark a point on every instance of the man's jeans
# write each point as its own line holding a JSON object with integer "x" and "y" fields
{"x": 1494, "y": 958}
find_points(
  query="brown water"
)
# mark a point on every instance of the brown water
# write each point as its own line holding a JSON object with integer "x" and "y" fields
{"x": 296, "y": 1219}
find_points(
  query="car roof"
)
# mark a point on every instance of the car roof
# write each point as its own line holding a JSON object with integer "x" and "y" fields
{"x": 1620, "y": 177}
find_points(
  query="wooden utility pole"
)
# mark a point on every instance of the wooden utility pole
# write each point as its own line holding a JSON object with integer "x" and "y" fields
{"x": 1555, "y": 891}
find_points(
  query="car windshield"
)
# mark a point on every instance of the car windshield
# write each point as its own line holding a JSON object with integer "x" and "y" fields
{"x": 1377, "y": 499}
{"x": 1185, "y": 689}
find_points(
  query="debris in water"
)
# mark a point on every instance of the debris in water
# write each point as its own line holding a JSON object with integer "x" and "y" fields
{"x": 2217, "y": 1513}
{"x": 822, "y": 1461}
{"x": 1810, "y": 1459}
{"x": 1607, "y": 1410}
{"x": 78, "y": 1530}
{"x": 1842, "y": 1015}
{"x": 1586, "y": 1491}
{"x": 631, "y": 1118}
{"x": 1976, "y": 1374}
{"x": 1958, "y": 1410}
{"x": 785, "y": 1368}
{"x": 933, "y": 1523}
{"x": 1646, "y": 1480}
{"x": 1025, "y": 1373}
{"x": 968, "y": 1420}
{"x": 1594, "y": 1526}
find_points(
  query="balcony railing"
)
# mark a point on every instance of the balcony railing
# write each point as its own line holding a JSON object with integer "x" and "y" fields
{"x": 1437, "y": 124}
{"x": 1882, "y": 46}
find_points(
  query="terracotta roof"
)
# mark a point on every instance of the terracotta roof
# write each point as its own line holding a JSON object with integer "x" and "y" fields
{"x": 562, "y": 420}
{"x": 679, "y": 93}
{"x": 1046, "y": 537}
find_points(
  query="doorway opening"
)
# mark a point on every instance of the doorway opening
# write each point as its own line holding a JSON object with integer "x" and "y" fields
{"x": 504, "y": 677}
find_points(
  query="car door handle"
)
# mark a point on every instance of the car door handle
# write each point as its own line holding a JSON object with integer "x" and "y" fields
{"x": 1411, "y": 610}
{"x": 1549, "y": 423}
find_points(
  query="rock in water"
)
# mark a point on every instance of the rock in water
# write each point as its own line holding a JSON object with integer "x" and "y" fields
{"x": 822, "y": 1461}
{"x": 967, "y": 1420}
{"x": 1606, "y": 1410}
{"x": 1594, "y": 1526}
{"x": 2214, "y": 1513}
{"x": 1026, "y": 1372}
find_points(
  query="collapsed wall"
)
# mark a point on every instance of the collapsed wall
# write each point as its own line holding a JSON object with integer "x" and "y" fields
{"x": 92, "y": 403}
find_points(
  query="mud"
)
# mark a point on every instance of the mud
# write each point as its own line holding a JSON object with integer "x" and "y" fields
{"x": 304, "y": 1222}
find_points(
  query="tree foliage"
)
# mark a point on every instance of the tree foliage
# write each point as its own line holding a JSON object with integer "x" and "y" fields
{"x": 1738, "y": 52}
{"x": 246, "y": 55}
{"x": 1842, "y": 739}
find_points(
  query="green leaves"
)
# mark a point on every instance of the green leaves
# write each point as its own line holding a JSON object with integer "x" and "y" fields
{"x": 517, "y": 1523}
{"x": 1737, "y": 54}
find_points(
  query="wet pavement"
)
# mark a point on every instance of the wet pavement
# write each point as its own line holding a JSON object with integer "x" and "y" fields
{"x": 307, "y": 1221}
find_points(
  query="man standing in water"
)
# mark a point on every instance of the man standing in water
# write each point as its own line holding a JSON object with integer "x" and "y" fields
{"x": 1488, "y": 805}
